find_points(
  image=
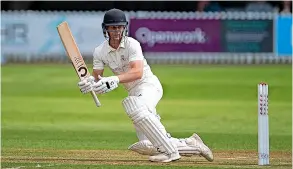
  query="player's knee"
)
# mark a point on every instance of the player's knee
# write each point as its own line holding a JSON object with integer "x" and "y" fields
{"x": 135, "y": 108}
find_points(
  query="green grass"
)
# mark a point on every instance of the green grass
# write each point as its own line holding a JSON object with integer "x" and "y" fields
{"x": 42, "y": 108}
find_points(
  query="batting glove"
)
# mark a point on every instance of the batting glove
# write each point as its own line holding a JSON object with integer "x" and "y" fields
{"x": 106, "y": 84}
{"x": 85, "y": 85}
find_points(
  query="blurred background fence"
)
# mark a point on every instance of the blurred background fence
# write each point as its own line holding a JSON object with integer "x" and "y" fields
{"x": 228, "y": 37}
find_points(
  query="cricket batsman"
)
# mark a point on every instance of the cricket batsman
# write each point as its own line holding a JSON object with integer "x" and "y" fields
{"x": 123, "y": 55}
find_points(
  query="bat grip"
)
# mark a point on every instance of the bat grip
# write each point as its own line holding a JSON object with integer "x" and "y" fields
{"x": 98, "y": 104}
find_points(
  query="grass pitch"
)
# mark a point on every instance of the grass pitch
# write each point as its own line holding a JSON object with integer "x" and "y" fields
{"x": 48, "y": 123}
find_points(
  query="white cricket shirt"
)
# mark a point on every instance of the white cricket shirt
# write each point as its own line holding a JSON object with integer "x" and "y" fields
{"x": 118, "y": 60}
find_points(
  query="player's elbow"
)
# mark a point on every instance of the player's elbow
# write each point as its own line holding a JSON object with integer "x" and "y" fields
{"x": 137, "y": 69}
{"x": 139, "y": 74}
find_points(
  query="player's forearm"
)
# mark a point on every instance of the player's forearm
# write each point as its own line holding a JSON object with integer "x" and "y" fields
{"x": 96, "y": 74}
{"x": 131, "y": 75}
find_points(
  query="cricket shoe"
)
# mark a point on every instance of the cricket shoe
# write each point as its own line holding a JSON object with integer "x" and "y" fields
{"x": 144, "y": 147}
{"x": 196, "y": 142}
{"x": 165, "y": 158}
{"x": 187, "y": 149}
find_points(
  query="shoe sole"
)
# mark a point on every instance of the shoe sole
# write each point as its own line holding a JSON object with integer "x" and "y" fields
{"x": 169, "y": 160}
{"x": 176, "y": 159}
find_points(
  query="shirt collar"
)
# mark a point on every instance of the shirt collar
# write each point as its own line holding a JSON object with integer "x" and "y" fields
{"x": 121, "y": 45}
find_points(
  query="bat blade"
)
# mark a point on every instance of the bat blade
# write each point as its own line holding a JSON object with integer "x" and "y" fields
{"x": 74, "y": 55}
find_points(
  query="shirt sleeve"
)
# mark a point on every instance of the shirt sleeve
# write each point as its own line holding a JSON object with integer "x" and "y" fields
{"x": 97, "y": 61}
{"x": 135, "y": 52}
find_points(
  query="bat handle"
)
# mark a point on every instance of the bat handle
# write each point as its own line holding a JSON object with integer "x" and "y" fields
{"x": 98, "y": 104}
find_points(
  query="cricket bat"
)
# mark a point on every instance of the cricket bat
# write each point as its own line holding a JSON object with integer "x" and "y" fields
{"x": 74, "y": 55}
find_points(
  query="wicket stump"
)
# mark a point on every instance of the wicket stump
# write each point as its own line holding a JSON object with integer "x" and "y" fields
{"x": 263, "y": 125}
